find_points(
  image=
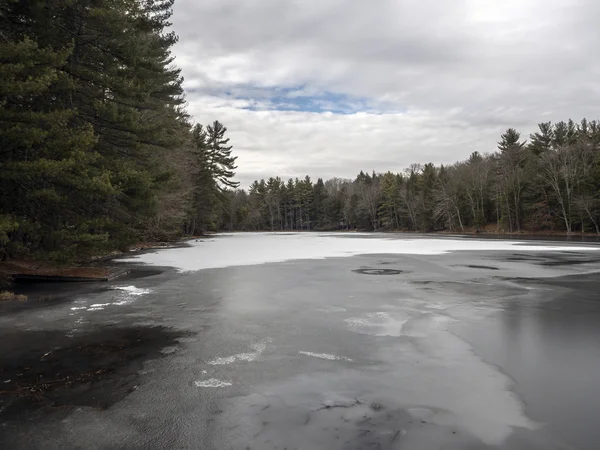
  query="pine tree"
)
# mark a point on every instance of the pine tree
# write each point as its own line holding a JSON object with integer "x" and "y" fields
{"x": 202, "y": 214}
{"x": 541, "y": 141}
{"x": 389, "y": 209}
{"x": 221, "y": 163}
{"x": 44, "y": 159}
{"x": 318, "y": 205}
{"x": 92, "y": 109}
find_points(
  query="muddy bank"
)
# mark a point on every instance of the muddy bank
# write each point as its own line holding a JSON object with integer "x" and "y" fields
{"x": 44, "y": 370}
{"x": 96, "y": 268}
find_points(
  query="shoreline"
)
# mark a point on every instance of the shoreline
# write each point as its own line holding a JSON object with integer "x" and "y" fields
{"x": 98, "y": 268}
{"x": 93, "y": 269}
{"x": 533, "y": 235}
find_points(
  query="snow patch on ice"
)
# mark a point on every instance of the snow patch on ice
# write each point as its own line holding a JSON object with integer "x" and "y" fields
{"x": 241, "y": 249}
{"x": 258, "y": 348}
{"x": 213, "y": 382}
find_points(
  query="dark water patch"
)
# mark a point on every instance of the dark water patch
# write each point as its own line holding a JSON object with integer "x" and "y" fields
{"x": 138, "y": 272}
{"x": 515, "y": 279}
{"x": 567, "y": 281}
{"x": 371, "y": 271}
{"x": 33, "y": 301}
{"x": 541, "y": 237}
{"x": 523, "y": 257}
{"x": 475, "y": 266}
{"x": 568, "y": 262}
{"x": 564, "y": 258}
{"x": 46, "y": 295}
{"x": 41, "y": 369}
{"x": 472, "y": 287}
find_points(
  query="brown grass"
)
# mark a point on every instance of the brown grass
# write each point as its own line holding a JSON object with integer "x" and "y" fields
{"x": 9, "y": 268}
{"x": 11, "y": 296}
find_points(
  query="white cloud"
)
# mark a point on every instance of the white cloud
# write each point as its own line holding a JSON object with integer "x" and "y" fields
{"x": 437, "y": 79}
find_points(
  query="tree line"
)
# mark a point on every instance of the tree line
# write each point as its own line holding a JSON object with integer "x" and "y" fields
{"x": 97, "y": 150}
{"x": 550, "y": 183}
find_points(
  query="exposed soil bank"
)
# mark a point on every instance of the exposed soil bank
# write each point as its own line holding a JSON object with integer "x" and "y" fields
{"x": 94, "y": 269}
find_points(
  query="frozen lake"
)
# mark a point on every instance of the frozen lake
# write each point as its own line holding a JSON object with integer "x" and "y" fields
{"x": 337, "y": 341}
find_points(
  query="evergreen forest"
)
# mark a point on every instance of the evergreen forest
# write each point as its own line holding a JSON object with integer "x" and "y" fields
{"x": 96, "y": 148}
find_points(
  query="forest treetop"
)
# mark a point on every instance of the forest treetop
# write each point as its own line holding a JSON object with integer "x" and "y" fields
{"x": 549, "y": 183}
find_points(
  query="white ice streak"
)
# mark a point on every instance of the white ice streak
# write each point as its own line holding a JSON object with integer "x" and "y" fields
{"x": 332, "y": 309}
{"x": 241, "y": 249}
{"x": 125, "y": 295}
{"x": 248, "y": 357}
{"x": 326, "y": 356}
{"x": 132, "y": 290}
{"x": 212, "y": 382}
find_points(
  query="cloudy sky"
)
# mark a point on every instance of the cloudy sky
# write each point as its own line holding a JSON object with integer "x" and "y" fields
{"x": 330, "y": 87}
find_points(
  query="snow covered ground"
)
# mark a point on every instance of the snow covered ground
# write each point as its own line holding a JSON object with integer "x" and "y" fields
{"x": 243, "y": 249}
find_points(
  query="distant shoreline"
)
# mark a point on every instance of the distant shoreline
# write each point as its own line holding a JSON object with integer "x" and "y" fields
{"x": 522, "y": 235}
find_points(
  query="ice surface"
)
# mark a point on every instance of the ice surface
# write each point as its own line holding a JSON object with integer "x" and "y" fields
{"x": 242, "y": 249}
{"x": 378, "y": 324}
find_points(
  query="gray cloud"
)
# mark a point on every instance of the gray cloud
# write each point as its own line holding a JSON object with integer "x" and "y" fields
{"x": 445, "y": 77}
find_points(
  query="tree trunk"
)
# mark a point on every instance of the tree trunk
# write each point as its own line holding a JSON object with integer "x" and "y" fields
{"x": 497, "y": 211}
{"x": 593, "y": 221}
{"x": 517, "y": 219}
{"x": 462, "y": 228}
{"x": 565, "y": 217}
{"x": 508, "y": 212}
